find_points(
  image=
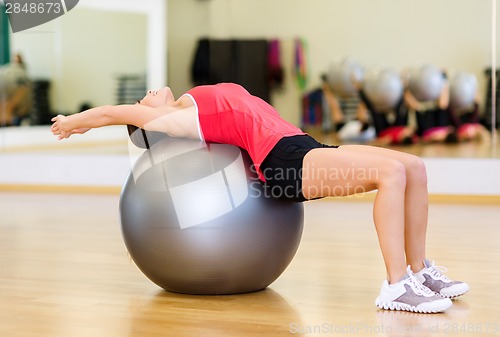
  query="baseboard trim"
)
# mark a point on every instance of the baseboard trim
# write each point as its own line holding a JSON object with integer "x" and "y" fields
{"x": 433, "y": 198}
{"x": 60, "y": 189}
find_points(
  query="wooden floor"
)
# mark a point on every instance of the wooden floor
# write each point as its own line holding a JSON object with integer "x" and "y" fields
{"x": 64, "y": 271}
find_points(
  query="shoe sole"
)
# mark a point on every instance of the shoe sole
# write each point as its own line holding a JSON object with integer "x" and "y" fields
{"x": 411, "y": 308}
{"x": 452, "y": 296}
{"x": 457, "y": 293}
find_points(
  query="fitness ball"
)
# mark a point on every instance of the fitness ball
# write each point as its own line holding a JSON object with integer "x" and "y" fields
{"x": 426, "y": 83}
{"x": 384, "y": 88}
{"x": 196, "y": 219}
{"x": 341, "y": 74}
{"x": 463, "y": 90}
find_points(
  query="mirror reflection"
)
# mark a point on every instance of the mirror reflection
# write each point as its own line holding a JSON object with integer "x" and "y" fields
{"x": 388, "y": 49}
{"x": 87, "y": 57}
{"x": 388, "y": 73}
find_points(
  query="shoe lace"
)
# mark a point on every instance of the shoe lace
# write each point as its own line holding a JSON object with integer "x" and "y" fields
{"x": 437, "y": 271}
{"x": 418, "y": 287}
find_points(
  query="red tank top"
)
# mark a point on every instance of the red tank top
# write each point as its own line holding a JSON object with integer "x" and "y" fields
{"x": 229, "y": 114}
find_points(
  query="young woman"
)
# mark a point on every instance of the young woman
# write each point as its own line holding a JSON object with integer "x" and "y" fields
{"x": 227, "y": 113}
{"x": 434, "y": 124}
{"x": 467, "y": 122}
{"x": 397, "y": 131}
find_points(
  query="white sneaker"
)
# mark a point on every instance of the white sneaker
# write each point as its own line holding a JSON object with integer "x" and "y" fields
{"x": 432, "y": 277}
{"x": 410, "y": 295}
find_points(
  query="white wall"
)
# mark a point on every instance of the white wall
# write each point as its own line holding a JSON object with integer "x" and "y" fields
{"x": 79, "y": 165}
{"x": 455, "y": 34}
{"x": 187, "y": 21}
{"x": 97, "y": 46}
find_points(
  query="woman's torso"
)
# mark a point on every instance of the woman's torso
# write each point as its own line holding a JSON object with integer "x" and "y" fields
{"x": 229, "y": 114}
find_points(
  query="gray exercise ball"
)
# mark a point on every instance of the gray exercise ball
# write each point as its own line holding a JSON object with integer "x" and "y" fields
{"x": 196, "y": 220}
{"x": 463, "y": 90}
{"x": 340, "y": 76}
{"x": 384, "y": 88}
{"x": 426, "y": 82}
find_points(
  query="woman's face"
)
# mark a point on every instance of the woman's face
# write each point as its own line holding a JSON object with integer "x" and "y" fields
{"x": 158, "y": 98}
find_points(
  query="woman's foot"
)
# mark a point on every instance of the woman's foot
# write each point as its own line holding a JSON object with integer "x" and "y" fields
{"x": 410, "y": 295}
{"x": 432, "y": 277}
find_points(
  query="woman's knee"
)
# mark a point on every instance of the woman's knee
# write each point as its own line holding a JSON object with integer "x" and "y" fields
{"x": 415, "y": 169}
{"x": 392, "y": 172}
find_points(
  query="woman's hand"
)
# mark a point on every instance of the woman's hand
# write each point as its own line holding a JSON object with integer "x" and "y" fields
{"x": 62, "y": 128}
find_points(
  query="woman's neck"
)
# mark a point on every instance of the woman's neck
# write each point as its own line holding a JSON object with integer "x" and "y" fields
{"x": 183, "y": 102}
{"x": 180, "y": 104}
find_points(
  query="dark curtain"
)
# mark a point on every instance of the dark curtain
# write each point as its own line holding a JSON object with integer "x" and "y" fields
{"x": 239, "y": 61}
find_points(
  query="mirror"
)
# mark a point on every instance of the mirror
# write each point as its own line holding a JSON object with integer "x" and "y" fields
{"x": 101, "y": 52}
{"x": 455, "y": 35}
{"x": 84, "y": 58}
{"x": 452, "y": 34}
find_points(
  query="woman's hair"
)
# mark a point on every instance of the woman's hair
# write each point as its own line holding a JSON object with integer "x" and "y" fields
{"x": 142, "y": 138}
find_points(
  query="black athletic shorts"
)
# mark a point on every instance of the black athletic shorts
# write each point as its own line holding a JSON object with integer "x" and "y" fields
{"x": 282, "y": 167}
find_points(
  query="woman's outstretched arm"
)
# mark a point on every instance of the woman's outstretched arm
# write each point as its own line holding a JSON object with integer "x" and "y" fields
{"x": 138, "y": 115}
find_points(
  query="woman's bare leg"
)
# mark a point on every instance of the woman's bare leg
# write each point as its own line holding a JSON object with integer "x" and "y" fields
{"x": 416, "y": 201}
{"x": 343, "y": 172}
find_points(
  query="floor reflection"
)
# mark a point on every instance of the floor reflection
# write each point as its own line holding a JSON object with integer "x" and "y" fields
{"x": 228, "y": 315}
{"x": 409, "y": 324}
